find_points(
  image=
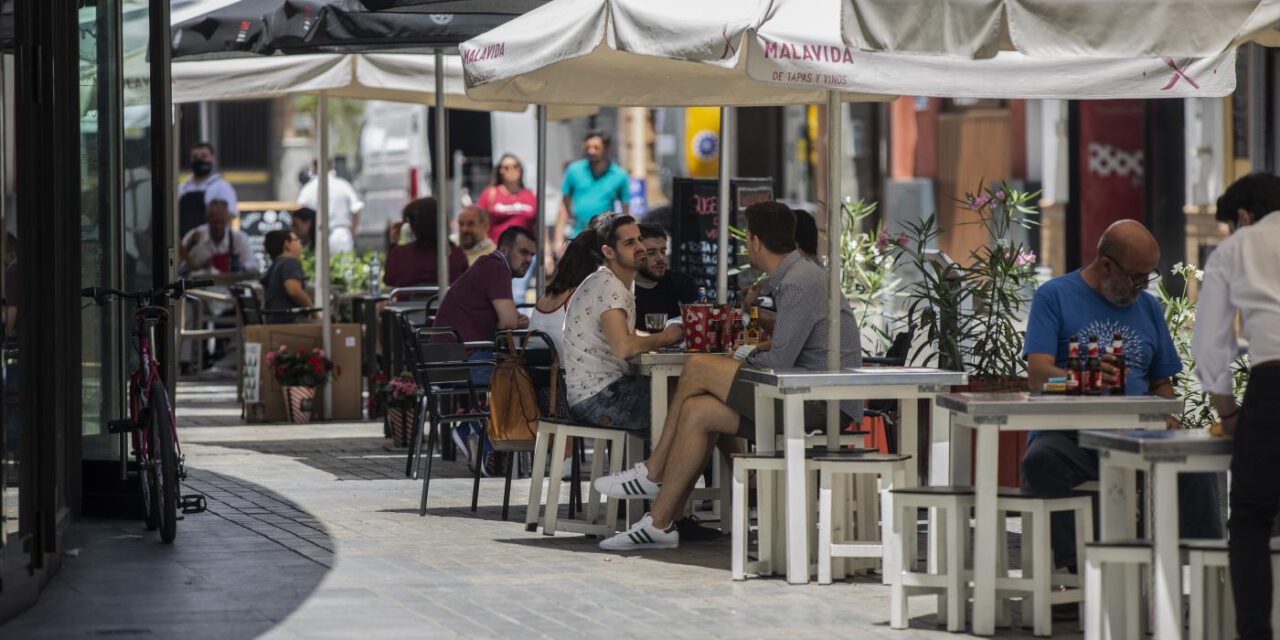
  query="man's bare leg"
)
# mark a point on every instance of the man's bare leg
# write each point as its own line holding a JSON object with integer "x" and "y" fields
{"x": 704, "y": 374}
{"x": 704, "y": 419}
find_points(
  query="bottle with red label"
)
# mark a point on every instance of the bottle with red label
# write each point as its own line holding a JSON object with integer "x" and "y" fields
{"x": 1073, "y": 367}
{"x": 1117, "y": 360}
{"x": 1091, "y": 379}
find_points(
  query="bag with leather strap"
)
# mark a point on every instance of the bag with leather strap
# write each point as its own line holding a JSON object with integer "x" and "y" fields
{"x": 513, "y": 399}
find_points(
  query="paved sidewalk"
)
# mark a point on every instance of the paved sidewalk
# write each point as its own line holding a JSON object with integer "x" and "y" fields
{"x": 312, "y": 532}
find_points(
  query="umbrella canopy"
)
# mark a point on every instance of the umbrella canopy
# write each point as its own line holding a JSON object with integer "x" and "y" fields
{"x": 627, "y": 53}
{"x": 799, "y": 42}
{"x": 1060, "y": 28}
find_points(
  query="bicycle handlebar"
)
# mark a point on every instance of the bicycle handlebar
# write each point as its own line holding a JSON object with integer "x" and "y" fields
{"x": 175, "y": 289}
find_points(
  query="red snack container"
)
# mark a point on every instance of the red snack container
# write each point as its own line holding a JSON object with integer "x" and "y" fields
{"x": 697, "y": 335}
{"x": 730, "y": 326}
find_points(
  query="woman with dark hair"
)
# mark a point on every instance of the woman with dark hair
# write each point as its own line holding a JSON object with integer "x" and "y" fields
{"x": 581, "y": 258}
{"x": 507, "y": 201}
{"x": 415, "y": 264}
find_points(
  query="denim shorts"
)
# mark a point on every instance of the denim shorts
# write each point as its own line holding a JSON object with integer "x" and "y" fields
{"x": 625, "y": 402}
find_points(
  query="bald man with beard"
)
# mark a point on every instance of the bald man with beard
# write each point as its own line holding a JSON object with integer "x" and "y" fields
{"x": 1107, "y": 297}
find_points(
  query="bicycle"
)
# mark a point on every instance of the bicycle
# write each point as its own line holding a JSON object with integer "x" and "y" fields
{"x": 150, "y": 422}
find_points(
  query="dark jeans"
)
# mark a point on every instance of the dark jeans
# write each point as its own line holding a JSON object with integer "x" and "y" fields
{"x": 1055, "y": 463}
{"x": 1255, "y": 494}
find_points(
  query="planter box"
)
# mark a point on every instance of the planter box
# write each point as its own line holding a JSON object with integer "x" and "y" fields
{"x": 267, "y": 404}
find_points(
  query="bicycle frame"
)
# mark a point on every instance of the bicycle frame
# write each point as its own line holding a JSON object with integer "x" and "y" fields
{"x": 145, "y": 320}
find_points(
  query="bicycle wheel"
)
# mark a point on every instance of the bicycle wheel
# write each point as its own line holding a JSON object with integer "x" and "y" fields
{"x": 150, "y": 497}
{"x": 165, "y": 463}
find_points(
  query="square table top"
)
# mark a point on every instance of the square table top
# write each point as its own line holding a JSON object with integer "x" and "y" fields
{"x": 865, "y": 376}
{"x": 1156, "y": 445}
{"x": 981, "y": 405}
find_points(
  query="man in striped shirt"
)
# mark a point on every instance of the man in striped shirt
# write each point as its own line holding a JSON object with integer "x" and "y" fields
{"x": 712, "y": 401}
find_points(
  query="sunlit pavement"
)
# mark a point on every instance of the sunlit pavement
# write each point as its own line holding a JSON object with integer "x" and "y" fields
{"x": 312, "y": 532}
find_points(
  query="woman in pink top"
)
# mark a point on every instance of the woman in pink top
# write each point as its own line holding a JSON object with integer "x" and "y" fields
{"x": 507, "y": 201}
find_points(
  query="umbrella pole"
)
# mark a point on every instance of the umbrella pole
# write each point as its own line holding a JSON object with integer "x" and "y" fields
{"x": 322, "y": 241}
{"x": 540, "y": 189}
{"x": 441, "y": 176}
{"x": 727, "y": 122}
{"x": 835, "y": 300}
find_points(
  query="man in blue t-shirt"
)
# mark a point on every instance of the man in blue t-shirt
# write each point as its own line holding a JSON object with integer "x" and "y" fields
{"x": 591, "y": 187}
{"x": 1105, "y": 298}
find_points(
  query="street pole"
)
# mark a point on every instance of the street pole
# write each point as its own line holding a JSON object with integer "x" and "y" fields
{"x": 540, "y": 208}
{"x": 440, "y": 172}
{"x": 728, "y": 117}
{"x": 835, "y": 301}
{"x": 322, "y": 241}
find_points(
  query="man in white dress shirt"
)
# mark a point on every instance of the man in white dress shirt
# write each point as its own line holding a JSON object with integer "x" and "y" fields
{"x": 1243, "y": 275}
{"x": 344, "y": 208}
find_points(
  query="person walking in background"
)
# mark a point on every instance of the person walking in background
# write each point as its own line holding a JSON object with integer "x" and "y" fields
{"x": 1243, "y": 275}
{"x": 415, "y": 264}
{"x": 473, "y": 233}
{"x": 204, "y": 187}
{"x": 581, "y": 258}
{"x": 592, "y": 186}
{"x": 344, "y": 208}
{"x": 510, "y": 204}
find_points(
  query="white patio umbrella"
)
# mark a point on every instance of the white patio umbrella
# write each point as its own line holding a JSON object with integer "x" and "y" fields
{"x": 1060, "y": 28}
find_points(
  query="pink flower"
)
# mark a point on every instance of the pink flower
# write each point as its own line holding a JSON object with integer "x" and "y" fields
{"x": 1025, "y": 259}
{"x": 882, "y": 241}
{"x": 1000, "y": 195}
{"x": 270, "y": 357}
{"x": 903, "y": 240}
{"x": 980, "y": 202}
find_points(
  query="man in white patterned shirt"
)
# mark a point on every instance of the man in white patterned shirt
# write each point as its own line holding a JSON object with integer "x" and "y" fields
{"x": 1243, "y": 274}
{"x": 711, "y": 400}
{"x": 599, "y": 334}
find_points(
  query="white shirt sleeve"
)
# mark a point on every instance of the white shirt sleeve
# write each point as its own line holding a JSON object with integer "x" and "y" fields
{"x": 248, "y": 261}
{"x": 354, "y": 204}
{"x": 307, "y": 196}
{"x": 1214, "y": 343}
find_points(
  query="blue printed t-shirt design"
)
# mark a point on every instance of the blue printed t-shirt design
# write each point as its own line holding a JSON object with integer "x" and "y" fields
{"x": 592, "y": 195}
{"x": 1067, "y": 306}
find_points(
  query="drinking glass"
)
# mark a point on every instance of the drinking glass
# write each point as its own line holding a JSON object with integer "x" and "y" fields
{"x": 655, "y": 322}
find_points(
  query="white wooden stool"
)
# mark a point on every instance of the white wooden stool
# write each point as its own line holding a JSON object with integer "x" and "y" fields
{"x": 769, "y": 468}
{"x": 1038, "y": 582}
{"x": 1213, "y": 606}
{"x": 1099, "y": 605}
{"x": 953, "y": 506}
{"x": 835, "y": 526}
{"x": 558, "y": 435}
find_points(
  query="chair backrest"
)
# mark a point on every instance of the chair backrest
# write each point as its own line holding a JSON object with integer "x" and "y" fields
{"x": 542, "y": 361}
{"x": 248, "y": 305}
{"x": 901, "y": 347}
{"x": 431, "y": 309}
{"x": 393, "y": 337}
{"x": 421, "y": 346}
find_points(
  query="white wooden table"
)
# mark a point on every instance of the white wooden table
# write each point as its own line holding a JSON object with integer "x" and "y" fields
{"x": 795, "y": 386}
{"x": 987, "y": 414}
{"x": 1162, "y": 455}
{"x": 660, "y": 367}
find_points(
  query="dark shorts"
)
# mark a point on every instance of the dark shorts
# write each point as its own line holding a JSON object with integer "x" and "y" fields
{"x": 742, "y": 399}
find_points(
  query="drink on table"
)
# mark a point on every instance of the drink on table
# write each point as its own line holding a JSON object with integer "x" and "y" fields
{"x": 1117, "y": 360}
{"x": 753, "y": 334}
{"x": 1073, "y": 367}
{"x": 1092, "y": 378}
{"x": 655, "y": 322}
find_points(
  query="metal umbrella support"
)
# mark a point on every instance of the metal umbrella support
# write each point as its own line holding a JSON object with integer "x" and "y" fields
{"x": 728, "y": 120}
{"x": 835, "y": 301}
{"x": 322, "y": 240}
{"x": 540, "y": 207}
{"x": 441, "y": 175}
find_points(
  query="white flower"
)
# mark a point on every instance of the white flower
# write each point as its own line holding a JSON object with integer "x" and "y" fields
{"x": 1177, "y": 268}
{"x": 1200, "y": 274}
{"x": 858, "y": 257}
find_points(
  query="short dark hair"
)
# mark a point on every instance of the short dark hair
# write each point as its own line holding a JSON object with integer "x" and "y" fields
{"x": 508, "y": 237}
{"x": 274, "y": 242}
{"x": 652, "y": 230}
{"x": 806, "y": 232}
{"x": 204, "y": 145}
{"x": 421, "y": 216}
{"x": 607, "y": 228}
{"x": 775, "y": 224}
{"x": 597, "y": 133}
{"x": 1257, "y": 193}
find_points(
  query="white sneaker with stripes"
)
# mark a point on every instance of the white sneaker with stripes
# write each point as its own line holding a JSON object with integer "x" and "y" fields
{"x": 628, "y": 484}
{"x": 643, "y": 536}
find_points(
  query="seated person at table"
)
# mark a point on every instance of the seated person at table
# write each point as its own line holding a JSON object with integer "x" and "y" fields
{"x": 285, "y": 284}
{"x": 214, "y": 246}
{"x": 581, "y": 258}
{"x": 807, "y": 245}
{"x": 713, "y": 402}
{"x": 479, "y": 304}
{"x": 599, "y": 334}
{"x": 415, "y": 264}
{"x": 1102, "y": 299}
{"x": 659, "y": 289}
{"x": 473, "y": 233}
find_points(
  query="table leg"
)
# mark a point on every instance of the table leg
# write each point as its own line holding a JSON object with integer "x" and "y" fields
{"x": 909, "y": 437}
{"x": 939, "y": 469}
{"x": 1166, "y": 559}
{"x": 985, "y": 536}
{"x": 1117, "y": 504}
{"x": 797, "y": 506}
{"x": 770, "y": 519}
{"x": 657, "y": 403}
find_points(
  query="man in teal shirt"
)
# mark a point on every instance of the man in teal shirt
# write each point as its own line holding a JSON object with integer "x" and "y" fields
{"x": 591, "y": 186}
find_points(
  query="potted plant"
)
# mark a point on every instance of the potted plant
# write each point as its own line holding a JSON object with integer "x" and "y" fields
{"x": 299, "y": 372}
{"x": 969, "y": 314}
{"x": 399, "y": 396}
{"x": 867, "y": 273}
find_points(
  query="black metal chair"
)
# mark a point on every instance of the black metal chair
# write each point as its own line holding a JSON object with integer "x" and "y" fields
{"x": 439, "y": 369}
{"x": 249, "y": 306}
{"x": 887, "y": 410}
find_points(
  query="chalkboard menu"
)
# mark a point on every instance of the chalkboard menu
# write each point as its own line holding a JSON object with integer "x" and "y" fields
{"x": 695, "y": 208}
{"x": 257, "y": 219}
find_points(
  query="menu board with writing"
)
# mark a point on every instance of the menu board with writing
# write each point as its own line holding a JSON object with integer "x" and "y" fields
{"x": 259, "y": 218}
{"x": 695, "y": 208}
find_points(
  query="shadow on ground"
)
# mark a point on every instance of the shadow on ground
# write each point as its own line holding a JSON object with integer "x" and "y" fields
{"x": 234, "y": 572}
